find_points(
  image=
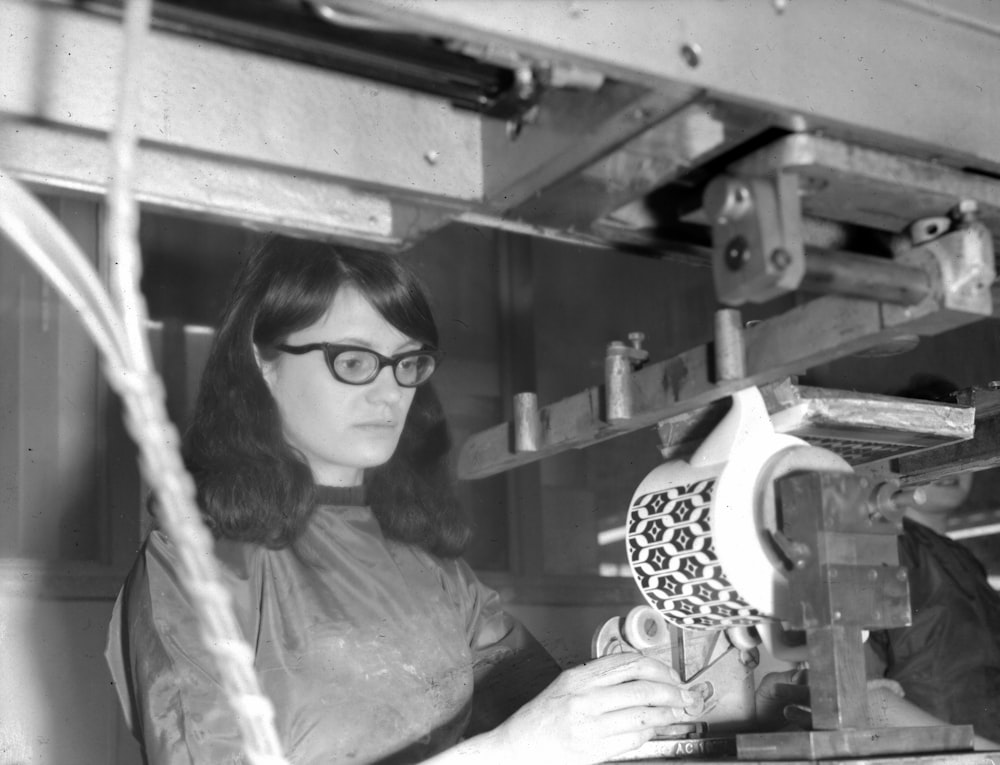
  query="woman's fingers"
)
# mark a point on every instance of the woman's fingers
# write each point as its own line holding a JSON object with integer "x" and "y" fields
{"x": 638, "y": 719}
{"x": 641, "y": 694}
{"x": 592, "y": 712}
{"x": 620, "y": 668}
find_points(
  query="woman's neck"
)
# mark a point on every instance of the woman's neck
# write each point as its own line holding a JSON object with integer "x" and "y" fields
{"x": 343, "y": 496}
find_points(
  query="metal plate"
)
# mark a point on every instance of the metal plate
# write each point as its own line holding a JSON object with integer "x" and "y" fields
{"x": 860, "y": 427}
{"x": 828, "y": 744}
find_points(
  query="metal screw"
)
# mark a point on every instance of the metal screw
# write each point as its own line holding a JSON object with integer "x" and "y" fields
{"x": 965, "y": 211}
{"x": 781, "y": 259}
{"x": 432, "y": 156}
{"x": 735, "y": 204}
{"x": 737, "y": 253}
{"x": 691, "y": 53}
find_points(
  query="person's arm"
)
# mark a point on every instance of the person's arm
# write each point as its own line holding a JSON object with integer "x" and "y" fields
{"x": 525, "y": 710}
{"x": 888, "y": 708}
{"x": 783, "y": 698}
{"x": 591, "y": 713}
{"x": 510, "y": 666}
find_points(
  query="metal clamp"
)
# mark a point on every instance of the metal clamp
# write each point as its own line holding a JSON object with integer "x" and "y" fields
{"x": 619, "y": 363}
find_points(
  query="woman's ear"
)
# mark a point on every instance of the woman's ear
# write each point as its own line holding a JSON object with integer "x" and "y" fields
{"x": 266, "y": 367}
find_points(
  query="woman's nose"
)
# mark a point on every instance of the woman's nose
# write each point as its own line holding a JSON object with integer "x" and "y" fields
{"x": 384, "y": 387}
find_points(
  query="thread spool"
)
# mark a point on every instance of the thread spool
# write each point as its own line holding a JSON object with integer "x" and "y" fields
{"x": 645, "y": 627}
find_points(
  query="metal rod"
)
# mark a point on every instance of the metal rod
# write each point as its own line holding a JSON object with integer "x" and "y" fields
{"x": 730, "y": 350}
{"x": 527, "y": 425}
{"x": 865, "y": 276}
{"x": 618, "y": 382}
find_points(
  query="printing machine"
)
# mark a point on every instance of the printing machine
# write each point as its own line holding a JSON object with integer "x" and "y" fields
{"x": 844, "y": 152}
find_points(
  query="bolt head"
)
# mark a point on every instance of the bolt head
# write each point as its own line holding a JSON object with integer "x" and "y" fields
{"x": 781, "y": 259}
{"x": 691, "y": 53}
{"x": 966, "y": 207}
{"x": 737, "y": 253}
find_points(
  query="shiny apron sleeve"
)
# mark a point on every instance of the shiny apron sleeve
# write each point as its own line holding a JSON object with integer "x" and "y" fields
{"x": 180, "y": 713}
{"x": 115, "y": 658}
{"x": 511, "y": 666}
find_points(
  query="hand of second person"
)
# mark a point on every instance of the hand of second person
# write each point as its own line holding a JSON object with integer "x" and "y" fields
{"x": 783, "y": 700}
{"x": 595, "y": 711}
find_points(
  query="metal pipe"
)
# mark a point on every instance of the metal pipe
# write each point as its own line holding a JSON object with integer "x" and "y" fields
{"x": 618, "y": 382}
{"x": 730, "y": 350}
{"x": 864, "y": 276}
{"x": 527, "y": 425}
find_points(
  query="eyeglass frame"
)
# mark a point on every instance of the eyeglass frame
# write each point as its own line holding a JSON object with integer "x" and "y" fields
{"x": 332, "y": 350}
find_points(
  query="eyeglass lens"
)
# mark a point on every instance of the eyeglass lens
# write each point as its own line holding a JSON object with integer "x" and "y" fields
{"x": 359, "y": 366}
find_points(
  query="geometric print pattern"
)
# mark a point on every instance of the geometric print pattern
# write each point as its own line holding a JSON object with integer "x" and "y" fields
{"x": 673, "y": 559}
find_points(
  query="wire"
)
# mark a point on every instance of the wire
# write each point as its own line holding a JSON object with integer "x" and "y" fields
{"x": 45, "y": 243}
{"x": 327, "y": 10}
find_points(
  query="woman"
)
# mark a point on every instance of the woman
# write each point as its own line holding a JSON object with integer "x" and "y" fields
{"x": 320, "y": 461}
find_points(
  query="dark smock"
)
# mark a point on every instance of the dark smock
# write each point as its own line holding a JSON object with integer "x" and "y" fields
{"x": 948, "y": 659}
{"x": 370, "y": 650}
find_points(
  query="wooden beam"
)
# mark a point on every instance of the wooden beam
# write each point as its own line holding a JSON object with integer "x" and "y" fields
{"x": 818, "y": 332}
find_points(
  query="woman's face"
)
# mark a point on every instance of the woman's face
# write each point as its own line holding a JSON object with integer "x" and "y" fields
{"x": 341, "y": 429}
{"x": 946, "y": 494}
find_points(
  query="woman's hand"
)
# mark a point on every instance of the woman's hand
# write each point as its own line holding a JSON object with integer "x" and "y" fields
{"x": 590, "y": 713}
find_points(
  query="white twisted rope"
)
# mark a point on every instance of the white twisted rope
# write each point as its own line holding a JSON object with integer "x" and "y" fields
{"x": 118, "y": 328}
{"x": 158, "y": 439}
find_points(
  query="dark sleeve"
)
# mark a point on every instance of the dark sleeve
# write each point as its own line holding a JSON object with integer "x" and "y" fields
{"x": 948, "y": 659}
{"x": 178, "y": 709}
{"x": 511, "y": 666}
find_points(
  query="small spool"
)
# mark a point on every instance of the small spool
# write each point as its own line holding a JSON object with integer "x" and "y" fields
{"x": 645, "y": 627}
{"x": 730, "y": 350}
{"x": 743, "y": 638}
{"x": 527, "y": 425}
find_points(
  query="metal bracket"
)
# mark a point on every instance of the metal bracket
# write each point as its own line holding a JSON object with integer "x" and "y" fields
{"x": 957, "y": 252}
{"x": 757, "y": 249}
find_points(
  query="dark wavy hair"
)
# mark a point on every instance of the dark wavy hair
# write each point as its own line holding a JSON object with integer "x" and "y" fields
{"x": 252, "y": 485}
